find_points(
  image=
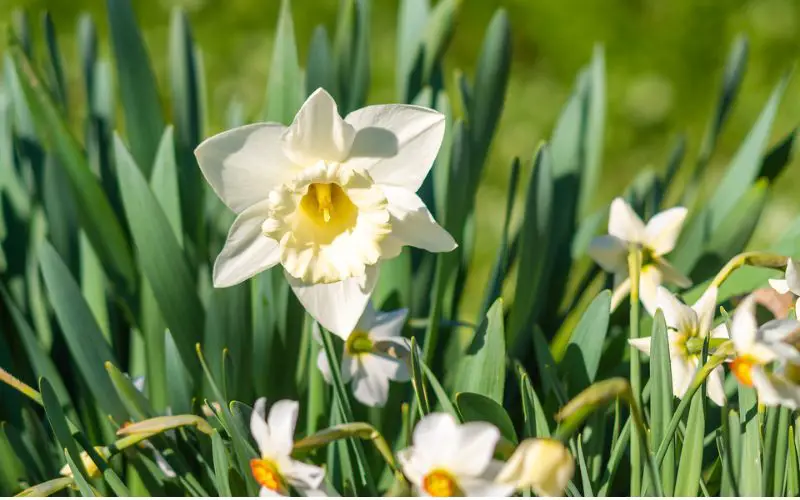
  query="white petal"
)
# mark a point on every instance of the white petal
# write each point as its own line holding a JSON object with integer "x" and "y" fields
{"x": 337, "y": 306}
{"x": 624, "y": 223}
{"x": 780, "y": 286}
{"x": 413, "y": 224}
{"x": 744, "y": 327}
{"x": 649, "y": 281}
{"x": 258, "y": 426}
{"x": 671, "y": 275}
{"x": 413, "y": 468}
{"x": 247, "y": 251}
{"x": 318, "y": 133}
{"x": 793, "y": 277}
{"x": 610, "y": 253}
{"x": 780, "y": 330}
{"x": 705, "y": 307}
{"x": 479, "y": 487}
{"x": 677, "y": 315}
{"x": 715, "y": 388}
{"x": 371, "y": 382}
{"x": 367, "y": 319}
{"x": 389, "y": 324}
{"x": 621, "y": 291}
{"x": 282, "y": 419}
{"x": 350, "y": 367}
{"x": 436, "y": 439}
{"x": 663, "y": 229}
{"x": 396, "y": 143}
{"x": 305, "y": 476}
{"x": 244, "y": 164}
{"x": 266, "y": 492}
{"x": 720, "y": 332}
{"x": 476, "y": 444}
{"x": 683, "y": 371}
{"x": 774, "y": 389}
{"x": 642, "y": 344}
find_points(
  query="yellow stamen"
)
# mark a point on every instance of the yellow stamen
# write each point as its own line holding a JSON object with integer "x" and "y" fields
{"x": 440, "y": 483}
{"x": 324, "y": 200}
{"x": 267, "y": 475}
{"x": 358, "y": 343}
{"x": 742, "y": 369}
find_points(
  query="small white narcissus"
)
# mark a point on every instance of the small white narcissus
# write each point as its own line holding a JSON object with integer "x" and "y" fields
{"x": 685, "y": 323}
{"x": 789, "y": 283}
{"x": 758, "y": 347}
{"x": 275, "y": 470}
{"x": 375, "y": 352}
{"x": 327, "y": 198}
{"x": 655, "y": 239}
{"x": 451, "y": 460}
{"x": 545, "y": 465}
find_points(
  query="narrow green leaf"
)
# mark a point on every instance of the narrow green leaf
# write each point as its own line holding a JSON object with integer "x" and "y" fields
{"x": 144, "y": 118}
{"x": 137, "y": 405}
{"x": 116, "y": 484}
{"x": 55, "y": 65}
{"x": 81, "y": 333}
{"x": 285, "y": 83}
{"x": 418, "y": 380}
{"x": 792, "y": 467}
{"x": 439, "y": 31}
{"x": 161, "y": 258}
{"x": 749, "y": 473}
{"x": 319, "y": 64}
{"x": 586, "y": 478}
{"x": 478, "y": 408}
{"x": 585, "y": 347}
{"x": 80, "y": 479}
{"x": 94, "y": 211}
{"x": 13, "y": 472}
{"x": 595, "y": 125}
{"x": 220, "y": 465}
{"x": 483, "y": 368}
{"x": 164, "y": 183}
{"x": 536, "y": 424}
{"x": 690, "y": 466}
{"x": 661, "y": 399}
{"x": 412, "y": 15}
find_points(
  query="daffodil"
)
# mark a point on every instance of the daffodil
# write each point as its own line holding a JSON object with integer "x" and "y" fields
{"x": 685, "y": 326}
{"x": 450, "y": 460}
{"x": 544, "y": 465}
{"x": 374, "y": 353}
{"x": 275, "y": 470}
{"x": 656, "y": 239}
{"x": 765, "y": 356}
{"x": 327, "y": 198}
{"x": 789, "y": 283}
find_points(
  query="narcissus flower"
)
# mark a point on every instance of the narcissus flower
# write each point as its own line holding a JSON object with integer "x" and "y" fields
{"x": 686, "y": 324}
{"x": 452, "y": 460}
{"x": 374, "y": 353}
{"x": 327, "y": 198}
{"x": 789, "y": 283}
{"x": 656, "y": 239}
{"x": 275, "y": 470}
{"x": 765, "y": 357}
{"x": 544, "y": 465}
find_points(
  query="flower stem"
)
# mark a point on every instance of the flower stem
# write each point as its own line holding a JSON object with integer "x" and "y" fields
{"x": 21, "y": 386}
{"x": 758, "y": 259}
{"x": 634, "y": 269}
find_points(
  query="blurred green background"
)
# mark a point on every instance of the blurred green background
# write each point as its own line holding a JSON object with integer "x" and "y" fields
{"x": 664, "y": 61}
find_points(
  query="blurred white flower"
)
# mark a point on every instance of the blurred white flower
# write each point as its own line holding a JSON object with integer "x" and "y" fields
{"x": 789, "y": 283}
{"x": 544, "y": 465}
{"x": 275, "y": 471}
{"x": 685, "y": 323}
{"x": 759, "y": 347}
{"x": 656, "y": 239}
{"x": 328, "y": 198}
{"x": 374, "y": 353}
{"x": 450, "y": 460}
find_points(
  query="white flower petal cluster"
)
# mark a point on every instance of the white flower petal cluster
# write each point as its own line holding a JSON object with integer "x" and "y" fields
{"x": 790, "y": 282}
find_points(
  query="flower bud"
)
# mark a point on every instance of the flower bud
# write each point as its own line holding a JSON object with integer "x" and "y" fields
{"x": 88, "y": 463}
{"x": 544, "y": 465}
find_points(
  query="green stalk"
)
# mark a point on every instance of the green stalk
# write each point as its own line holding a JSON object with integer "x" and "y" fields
{"x": 634, "y": 270}
{"x": 758, "y": 259}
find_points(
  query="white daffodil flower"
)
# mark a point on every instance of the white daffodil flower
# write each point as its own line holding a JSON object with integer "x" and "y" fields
{"x": 544, "y": 465}
{"x": 759, "y": 347}
{"x": 656, "y": 239}
{"x": 684, "y": 324}
{"x": 375, "y": 352}
{"x": 789, "y": 283}
{"x": 451, "y": 460}
{"x": 275, "y": 470}
{"x": 327, "y": 198}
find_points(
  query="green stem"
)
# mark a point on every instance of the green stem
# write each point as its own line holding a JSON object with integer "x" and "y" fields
{"x": 634, "y": 270}
{"x": 432, "y": 332}
{"x": 759, "y": 259}
{"x": 21, "y": 386}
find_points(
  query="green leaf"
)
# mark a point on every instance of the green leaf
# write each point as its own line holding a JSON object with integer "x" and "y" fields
{"x": 585, "y": 347}
{"x": 137, "y": 405}
{"x": 55, "y": 66}
{"x": 776, "y": 434}
{"x": 792, "y": 467}
{"x": 160, "y": 256}
{"x": 285, "y": 82}
{"x": 116, "y": 484}
{"x": 547, "y": 367}
{"x": 164, "y": 183}
{"x": 319, "y": 64}
{"x": 595, "y": 124}
{"x": 483, "y": 368}
{"x": 144, "y": 118}
{"x": 13, "y": 471}
{"x": 94, "y": 211}
{"x": 586, "y": 478}
{"x": 83, "y": 337}
{"x": 749, "y": 473}
{"x": 80, "y": 479}
{"x": 220, "y": 465}
{"x": 412, "y": 15}
{"x": 439, "y": 30}
{"x": 477, "y": 408}
{"x": 690, "y": 466}
{"x": 418, "y": 380}
{"x": 536, "y": 424}
{"x": 661, "y": 399}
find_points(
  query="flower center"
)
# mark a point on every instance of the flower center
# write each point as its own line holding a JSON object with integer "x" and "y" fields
{"x": 327, "y": 205}
{"x": 267, "y": 475}
{"x": 742, "y": 369}
{"x": 358, "y": 343}
{"x": 440, "y": 483}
